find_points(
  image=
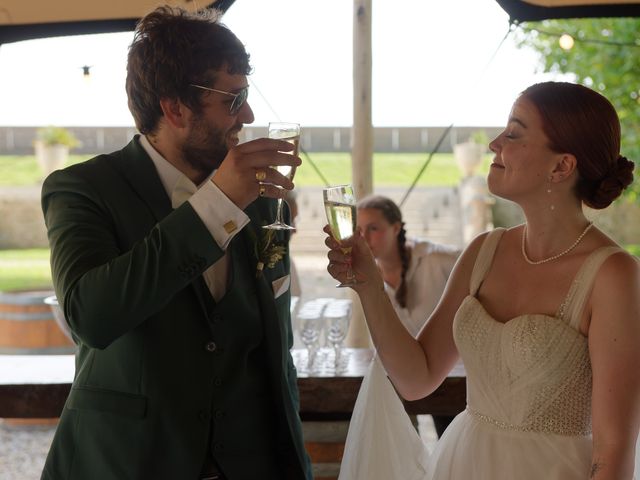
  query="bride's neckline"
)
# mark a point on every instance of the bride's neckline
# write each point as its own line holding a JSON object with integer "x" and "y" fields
{"x": 526, "y": 316}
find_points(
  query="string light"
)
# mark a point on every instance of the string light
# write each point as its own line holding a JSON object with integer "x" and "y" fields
{"x": 566, "y": 41}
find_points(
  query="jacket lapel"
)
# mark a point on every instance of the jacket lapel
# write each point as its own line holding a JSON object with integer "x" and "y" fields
{"x": 139, "y": 171}
{"x": 276, "y": 337}
{"x": 258, "y": 211}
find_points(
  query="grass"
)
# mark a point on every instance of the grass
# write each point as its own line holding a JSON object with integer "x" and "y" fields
{"x": 25, "y": 269}
{"x": 21, "y": 171}
{"x": 633, "y": 249}
{"x": 389, "y": 169}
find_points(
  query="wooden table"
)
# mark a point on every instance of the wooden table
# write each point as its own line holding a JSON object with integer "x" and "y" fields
{"x": 36, "y": 386}
{"x": 332, "y": 397}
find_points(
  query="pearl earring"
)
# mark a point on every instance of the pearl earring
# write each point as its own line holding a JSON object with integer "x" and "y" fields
{"x": 552, "y": 207}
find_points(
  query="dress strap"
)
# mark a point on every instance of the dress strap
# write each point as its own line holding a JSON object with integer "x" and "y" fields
{"x": 571, "y": 308}
{"x": 484, "y": 259}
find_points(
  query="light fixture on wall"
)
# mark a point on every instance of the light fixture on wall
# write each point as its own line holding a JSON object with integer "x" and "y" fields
{"x": 86, "y": 73}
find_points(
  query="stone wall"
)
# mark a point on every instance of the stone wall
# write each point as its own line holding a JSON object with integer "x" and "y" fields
{"x": 22, "y": 223}
{"x": 621, "y": 221}
{"x": 21, "y": 220}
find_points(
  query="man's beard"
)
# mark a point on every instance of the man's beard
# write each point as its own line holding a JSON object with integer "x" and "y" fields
{"x": 205, "y": 148}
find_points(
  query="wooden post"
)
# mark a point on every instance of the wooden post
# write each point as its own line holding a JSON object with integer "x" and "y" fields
{"x": 362, "y": 132}
{"x": 361, "y": 140}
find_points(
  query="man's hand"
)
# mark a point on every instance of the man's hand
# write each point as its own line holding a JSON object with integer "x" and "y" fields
{"x": 245, "y": 172}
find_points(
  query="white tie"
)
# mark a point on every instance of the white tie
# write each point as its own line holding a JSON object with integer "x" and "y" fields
{"x": 182, "y": 191}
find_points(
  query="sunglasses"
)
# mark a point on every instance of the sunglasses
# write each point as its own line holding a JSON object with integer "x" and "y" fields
{"x": 239, "y": 98}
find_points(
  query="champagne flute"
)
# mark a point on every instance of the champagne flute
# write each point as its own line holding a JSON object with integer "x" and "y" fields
{"x": 340, "y": 206}
{"x": 310, "y": 320}
{"x": 337, "y": 315}
{"x": 291, "y": 133}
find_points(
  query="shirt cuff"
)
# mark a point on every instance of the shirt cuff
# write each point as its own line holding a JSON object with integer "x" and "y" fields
{"x": 220, "y": 215}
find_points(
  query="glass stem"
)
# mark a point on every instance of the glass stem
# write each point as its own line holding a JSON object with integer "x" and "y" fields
{"x": 350, "y": 274}
{"x": 279, "y": 212}
{"x": 310, "y": 356}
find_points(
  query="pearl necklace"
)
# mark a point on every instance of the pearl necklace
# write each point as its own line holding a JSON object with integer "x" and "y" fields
{"x": 574, "y": 245}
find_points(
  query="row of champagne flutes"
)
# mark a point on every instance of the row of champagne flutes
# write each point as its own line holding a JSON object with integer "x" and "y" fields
{"x": 323, "y": 322}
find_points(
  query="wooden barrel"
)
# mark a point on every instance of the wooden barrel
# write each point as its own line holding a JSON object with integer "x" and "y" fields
{"x": 28, "y": 326}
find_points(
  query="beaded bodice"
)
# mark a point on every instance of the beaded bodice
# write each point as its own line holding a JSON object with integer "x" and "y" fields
{"x": 533, "y": 372}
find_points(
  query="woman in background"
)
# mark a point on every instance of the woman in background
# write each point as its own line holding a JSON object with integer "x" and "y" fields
{"x": 415, "y": 271}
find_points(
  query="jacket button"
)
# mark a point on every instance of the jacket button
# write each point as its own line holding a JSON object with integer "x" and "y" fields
{"x": 215, "y": 318}
{"x": 219, "y": 414}
{"x": 202, "y": 415}
{"x": 218, "y": 446}
{"x": 211, "y": 346}
{"x": 217, "y": 382}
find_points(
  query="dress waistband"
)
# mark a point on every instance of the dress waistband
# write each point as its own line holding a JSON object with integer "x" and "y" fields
{"x": 548, "y": 426}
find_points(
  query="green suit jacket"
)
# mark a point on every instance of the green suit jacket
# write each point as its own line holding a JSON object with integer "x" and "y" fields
{"x": 128, "y": 272}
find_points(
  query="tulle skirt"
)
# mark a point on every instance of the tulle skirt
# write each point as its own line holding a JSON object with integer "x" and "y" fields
{"x": 473, "y": 449}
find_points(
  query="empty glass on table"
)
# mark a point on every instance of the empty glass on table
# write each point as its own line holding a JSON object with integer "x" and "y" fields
{"x": 337, "y": 315}
{"x": 310, "y": 324}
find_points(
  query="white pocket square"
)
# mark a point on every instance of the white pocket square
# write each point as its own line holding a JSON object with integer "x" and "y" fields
{"x": 281, "y": 285}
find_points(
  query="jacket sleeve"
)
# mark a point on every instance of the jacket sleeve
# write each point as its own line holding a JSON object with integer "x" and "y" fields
{"x": 108, "y": 287}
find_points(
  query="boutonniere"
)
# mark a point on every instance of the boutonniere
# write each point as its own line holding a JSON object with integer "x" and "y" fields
{"x": 267, "y": 251}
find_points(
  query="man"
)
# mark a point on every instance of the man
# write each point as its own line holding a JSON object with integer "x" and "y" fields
{"x": 183, "y": 369}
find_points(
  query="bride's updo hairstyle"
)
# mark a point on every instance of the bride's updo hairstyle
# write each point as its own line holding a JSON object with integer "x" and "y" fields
{"x": 580, "y": 121}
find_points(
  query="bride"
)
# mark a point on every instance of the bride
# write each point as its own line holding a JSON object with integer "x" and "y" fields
{"x": 545, "y": 316}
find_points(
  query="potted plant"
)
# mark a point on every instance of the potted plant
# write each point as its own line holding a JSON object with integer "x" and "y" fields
{"x": 468, "y": 154}
{"x": 52, "y": 147}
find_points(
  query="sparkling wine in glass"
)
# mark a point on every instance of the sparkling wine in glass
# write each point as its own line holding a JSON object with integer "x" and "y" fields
{"x": 291, "y": 133}
{"x": 340, "y": 206}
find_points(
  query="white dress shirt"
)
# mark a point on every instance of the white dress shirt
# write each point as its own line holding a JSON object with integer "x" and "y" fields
{"x": 220, "y": 215}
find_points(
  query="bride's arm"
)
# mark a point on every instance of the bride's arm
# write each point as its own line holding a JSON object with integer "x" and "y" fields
{"x": 614, "y": 339}
{"x": 416, "y": 367}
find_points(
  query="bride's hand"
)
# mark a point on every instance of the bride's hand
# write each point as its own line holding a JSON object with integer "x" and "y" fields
{"x": 359, "y": 257}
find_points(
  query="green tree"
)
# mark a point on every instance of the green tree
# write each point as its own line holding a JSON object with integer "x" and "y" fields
{"x": 605, "y": 56}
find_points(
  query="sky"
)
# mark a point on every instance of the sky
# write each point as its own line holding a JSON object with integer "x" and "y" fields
{"x": 431, "y": 66}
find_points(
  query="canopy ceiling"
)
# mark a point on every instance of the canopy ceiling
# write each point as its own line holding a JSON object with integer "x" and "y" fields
{"x": 29, "y": 19}
{"x": 524, "y": 10}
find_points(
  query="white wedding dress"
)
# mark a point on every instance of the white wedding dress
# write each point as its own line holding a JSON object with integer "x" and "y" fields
{"x": 528, "y": 410}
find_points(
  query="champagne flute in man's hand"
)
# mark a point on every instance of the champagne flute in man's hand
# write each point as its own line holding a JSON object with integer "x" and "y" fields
{"x": 291, "y": 133}
{"x": 340, "y": 206}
